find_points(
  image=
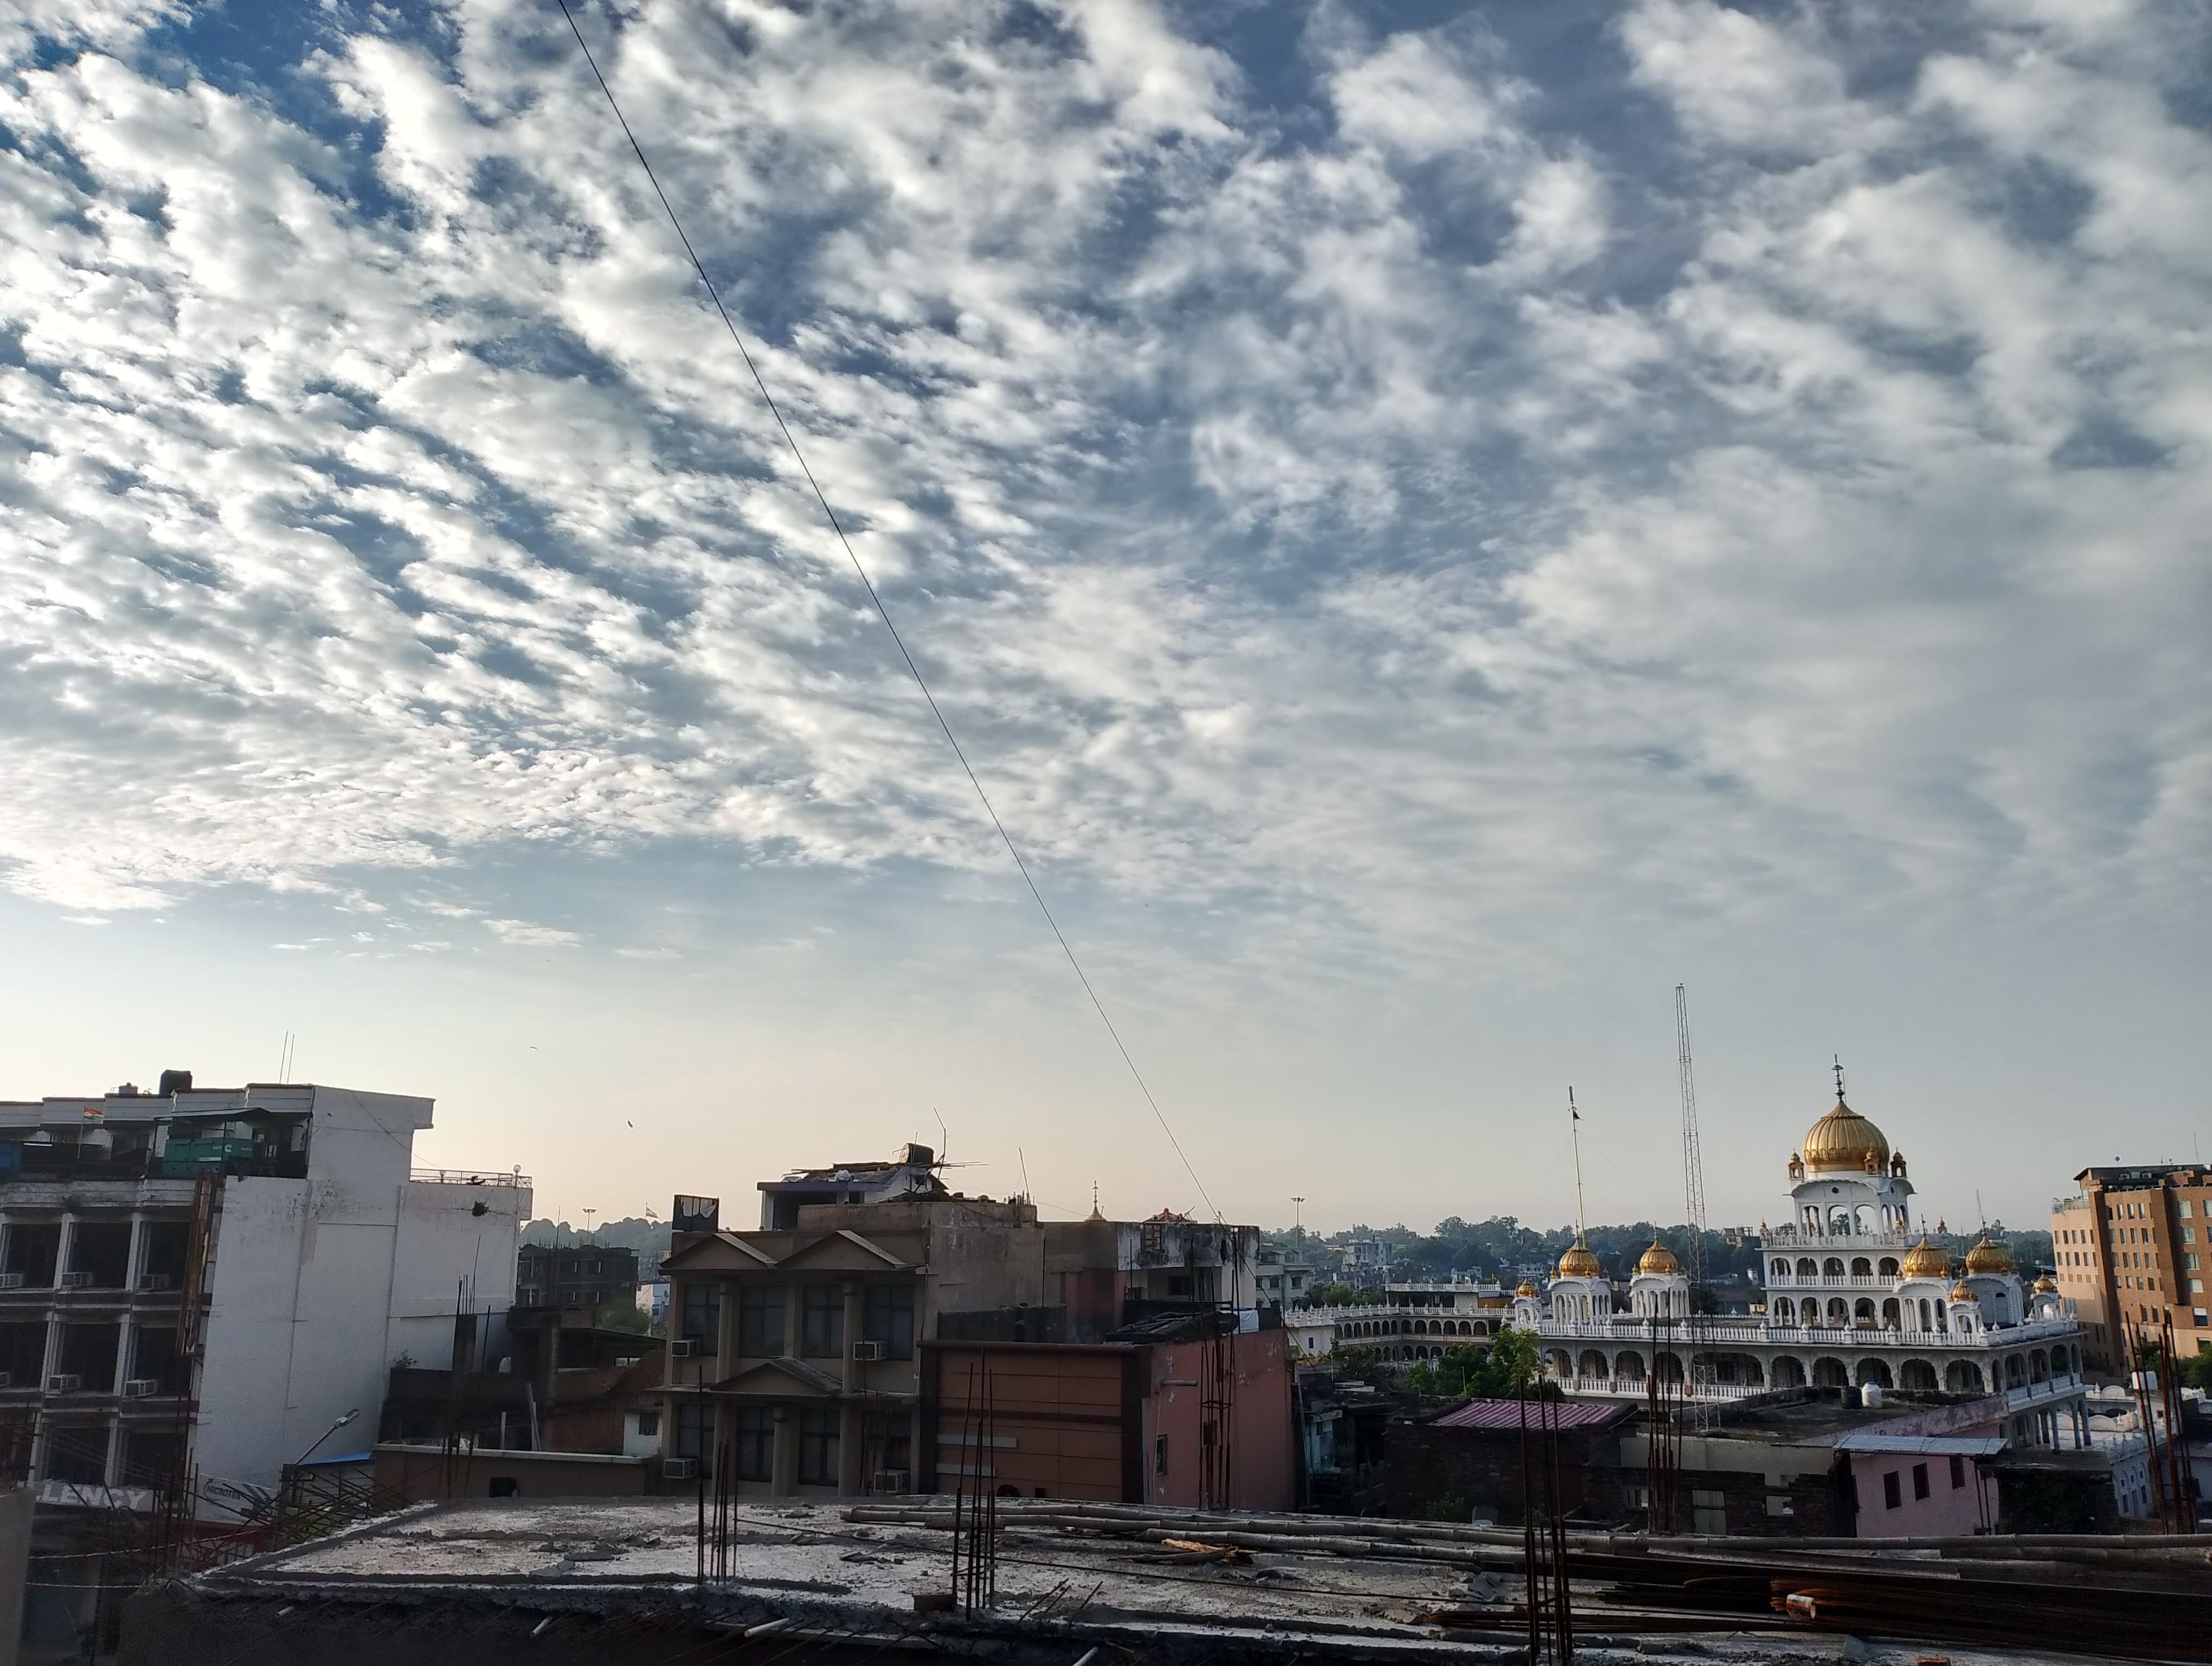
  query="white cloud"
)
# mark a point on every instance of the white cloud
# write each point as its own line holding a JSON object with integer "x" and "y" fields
{"x": 527, "y": 934}
{"x": 1345, "y": 512}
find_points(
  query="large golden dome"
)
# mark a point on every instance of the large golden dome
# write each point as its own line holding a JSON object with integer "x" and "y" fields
{"x": 1658, "y": 1259}
{"x": 1843, "y": 1141}
{"x": 1988, "y": 1255}
{"x": 1925, "y": 1260}
{"x": 1580, "y": 1263}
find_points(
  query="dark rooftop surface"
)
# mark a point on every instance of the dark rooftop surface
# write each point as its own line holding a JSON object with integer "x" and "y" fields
{"x": 1073, "y": 1580}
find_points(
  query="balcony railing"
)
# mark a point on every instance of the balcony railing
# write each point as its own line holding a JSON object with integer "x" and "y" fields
{"x": 469, "y": 1177}
{"x": 1677, "y": 1333}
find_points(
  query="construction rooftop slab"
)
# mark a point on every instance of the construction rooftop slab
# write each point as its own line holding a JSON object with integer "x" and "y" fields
{"x": 610, "y": 1577}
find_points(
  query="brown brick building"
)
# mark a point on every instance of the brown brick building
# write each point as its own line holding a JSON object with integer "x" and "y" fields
{"x": 2132, "y": 1246}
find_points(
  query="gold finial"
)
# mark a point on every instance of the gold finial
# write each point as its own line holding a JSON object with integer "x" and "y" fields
{"x": 1840, "y": 1077}
{"x": 1096, "y": 1213}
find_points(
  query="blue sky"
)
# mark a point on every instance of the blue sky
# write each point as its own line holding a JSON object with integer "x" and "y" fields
{"x": 1435, "y": 523}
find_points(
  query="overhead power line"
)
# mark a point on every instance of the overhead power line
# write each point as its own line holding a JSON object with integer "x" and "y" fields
{"x": 882, "y": 612}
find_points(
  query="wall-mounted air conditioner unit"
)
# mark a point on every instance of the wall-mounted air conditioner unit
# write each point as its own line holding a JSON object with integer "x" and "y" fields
{"x": 867, "y": 1351}
{"x": 141, "y": 1388}
{"x": 683, "y": 1348}
{"x": 64, "y": 1383}
{"x": 156, "y": 1282}
{"x": 11, "y": 1280}
{"x": 75, "y": 1281}
{"x": 680, "y": 1468}
{"x": 892, "y": 1481}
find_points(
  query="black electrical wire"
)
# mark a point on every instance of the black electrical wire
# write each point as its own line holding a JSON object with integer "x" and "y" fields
{"x": 883, "y": 613}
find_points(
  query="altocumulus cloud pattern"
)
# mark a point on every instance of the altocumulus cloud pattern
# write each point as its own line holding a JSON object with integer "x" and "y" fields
{"x": 1692, "y": 457}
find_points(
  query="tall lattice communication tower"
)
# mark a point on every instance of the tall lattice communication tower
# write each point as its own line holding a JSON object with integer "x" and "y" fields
{"x": 1693, "y": 1161}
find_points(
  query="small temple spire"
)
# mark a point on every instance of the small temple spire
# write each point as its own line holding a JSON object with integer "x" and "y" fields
{"x": 1840, "y": 1077}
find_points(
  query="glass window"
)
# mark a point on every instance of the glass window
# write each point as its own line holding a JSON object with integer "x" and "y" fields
{"x": 1893, "y": 1492}
{"x": 888, "y": 1317}
{"x": 1958, "y": 1470}
{"x": 1919, "y": 1481}
{"x": 756, "y": 1443}
{"x": 760, "y": 1320}
{"x": 703, "y": 1314}
{"x": 822, "y": 1328}
{"x": 695, "y": 1433}
{"x": 818, "y": 1444}
{"x": 648, "y": 1423}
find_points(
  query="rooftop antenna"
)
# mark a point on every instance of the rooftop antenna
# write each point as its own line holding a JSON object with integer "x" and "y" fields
{"x": 943, "y": 1137}
{"x": 1575, "y": 1127}
{"x": 1297, "y": 1215}
{"x": 1025, "y": 1162}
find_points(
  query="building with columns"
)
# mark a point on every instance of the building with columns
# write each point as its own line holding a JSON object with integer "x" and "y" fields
{"x": 1859, "y": 1294}
{"x": 197, "y": 1284}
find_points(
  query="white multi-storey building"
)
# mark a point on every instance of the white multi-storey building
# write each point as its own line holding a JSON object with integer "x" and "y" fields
{"x": 197, "y": 1284}
{"x": 1858, "y": 1295}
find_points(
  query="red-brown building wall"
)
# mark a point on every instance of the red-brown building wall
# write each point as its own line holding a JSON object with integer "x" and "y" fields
{"x": 1086, "y": 1420}
{"x": 1259, "y": 1429}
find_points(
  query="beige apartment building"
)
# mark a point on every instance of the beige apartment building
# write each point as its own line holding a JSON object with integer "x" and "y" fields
{"x": 795, "y": 1356}
{"x": 2132, "y": 1245}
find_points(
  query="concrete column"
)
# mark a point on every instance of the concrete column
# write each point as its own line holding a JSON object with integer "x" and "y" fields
{"x": 125, "y": 1333}
{"x": 725, "y": 1336}
{"x": 64, "y": 1247}
{"x": 110, "y": 1473}
{"x": 851, "y": 1452}
{"x": 133, "y": 1267}
{"x": 848, "y": 1371}
{"x": 53, "y": 1361}
{"x": 783, "y": 1472}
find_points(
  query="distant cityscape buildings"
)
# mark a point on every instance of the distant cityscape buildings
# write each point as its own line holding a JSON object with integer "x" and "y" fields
{"x": 215, "y": 1302}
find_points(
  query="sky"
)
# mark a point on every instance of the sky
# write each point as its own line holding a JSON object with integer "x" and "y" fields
{"x": 1434, "y": 525}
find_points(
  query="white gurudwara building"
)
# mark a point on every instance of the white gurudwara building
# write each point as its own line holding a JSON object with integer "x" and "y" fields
{"x": 1858, "y": 1295}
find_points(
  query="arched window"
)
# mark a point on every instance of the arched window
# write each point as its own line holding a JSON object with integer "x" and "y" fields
{"x": 1926, "y": 1322}
{"x": 1862, "y": 1267}
{"x": 1888, "y": 1268}
{"x": 1832, "y": 1267}
{"x": 1807, "y": 1267}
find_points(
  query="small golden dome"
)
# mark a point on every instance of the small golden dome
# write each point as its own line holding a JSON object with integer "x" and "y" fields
{"x": 1843, "y": 1141}
{"x": 1925, "y": 1260}
{"x": 1658, "y": 1259}
{"x": 1988, "y": 1255}
{"x": 1961, "y": 1293}
{"x": 1528, "y": 1288}
{"x": 2044, "y": 1287}
{"x": 1580, "y": 1263}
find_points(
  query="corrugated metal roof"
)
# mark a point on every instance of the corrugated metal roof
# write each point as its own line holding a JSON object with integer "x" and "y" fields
{"x": 1874, "y": 1440}
{"x": 1507, "y": 1415}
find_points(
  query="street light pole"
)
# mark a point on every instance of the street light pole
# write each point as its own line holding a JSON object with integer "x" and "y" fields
{"x": 1299, "y": 1214}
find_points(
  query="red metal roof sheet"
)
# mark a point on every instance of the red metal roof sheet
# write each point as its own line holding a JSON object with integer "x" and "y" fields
{"x": 1506, "y": 1414}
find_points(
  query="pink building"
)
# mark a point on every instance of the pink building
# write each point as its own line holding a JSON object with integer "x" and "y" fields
{"x": 1909, "y": 1487}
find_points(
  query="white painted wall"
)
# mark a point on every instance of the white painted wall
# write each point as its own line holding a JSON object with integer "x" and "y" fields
{"x": 319, "y": 1285}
